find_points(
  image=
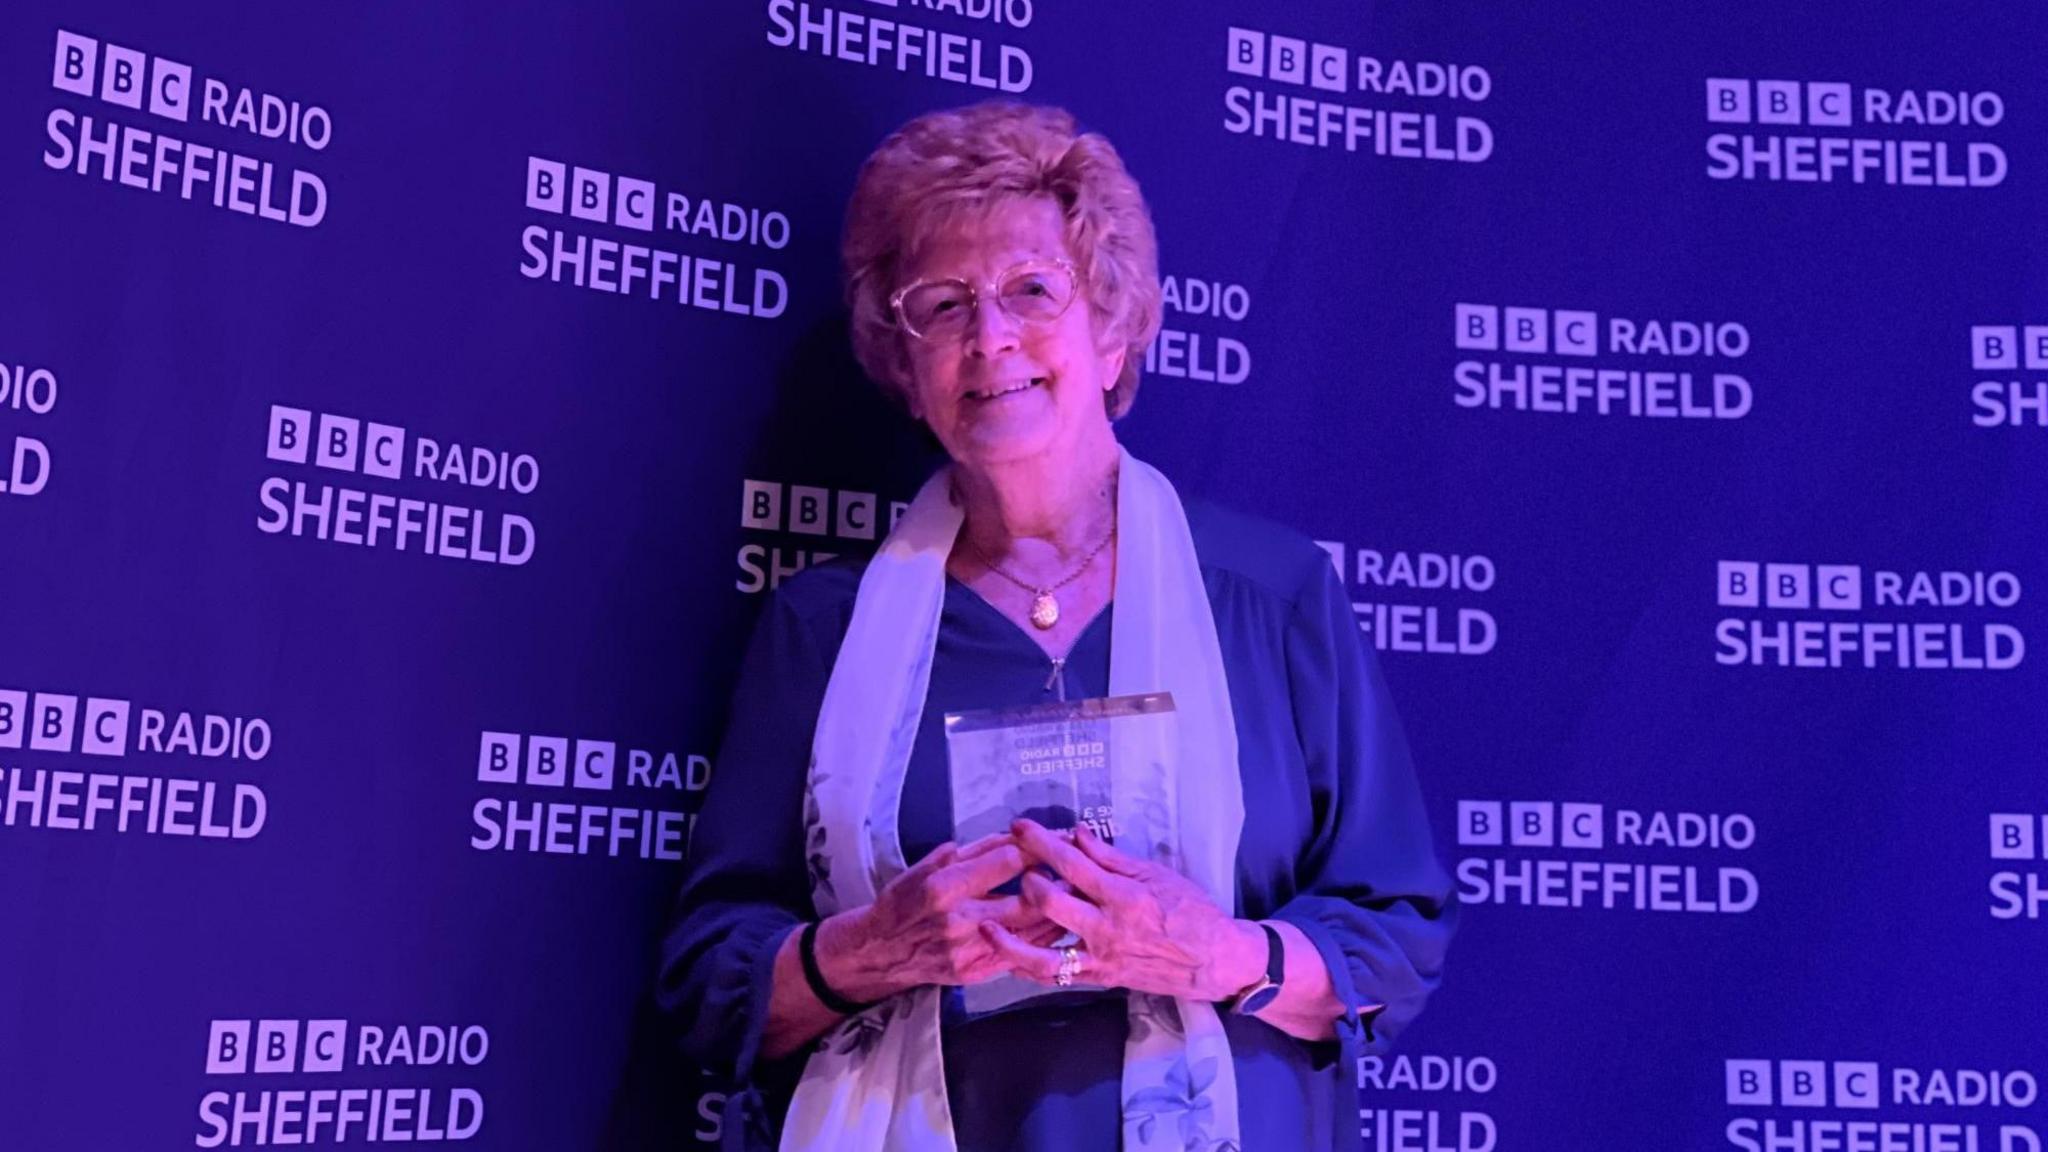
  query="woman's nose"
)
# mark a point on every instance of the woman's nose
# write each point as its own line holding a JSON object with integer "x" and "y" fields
{"x": 991, "y": 330}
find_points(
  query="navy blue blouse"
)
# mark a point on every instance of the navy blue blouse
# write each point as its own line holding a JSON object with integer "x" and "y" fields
{"x": 1335, "y": 842}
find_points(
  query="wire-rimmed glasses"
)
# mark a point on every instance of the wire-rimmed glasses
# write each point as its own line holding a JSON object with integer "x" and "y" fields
{"x": 1032, "y": 292}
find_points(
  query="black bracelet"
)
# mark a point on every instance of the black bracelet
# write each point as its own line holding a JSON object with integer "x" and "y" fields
{"x": 807, "y": 951}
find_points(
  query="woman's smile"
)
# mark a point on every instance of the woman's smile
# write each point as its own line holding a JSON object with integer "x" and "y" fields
{"x": 1009, "y": 388}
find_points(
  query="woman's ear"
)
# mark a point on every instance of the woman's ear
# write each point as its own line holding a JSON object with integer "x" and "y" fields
{"x": 1113, "y": 368}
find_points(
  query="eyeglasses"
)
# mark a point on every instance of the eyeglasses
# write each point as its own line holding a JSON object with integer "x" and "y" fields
{"x": 1033, "y": 292}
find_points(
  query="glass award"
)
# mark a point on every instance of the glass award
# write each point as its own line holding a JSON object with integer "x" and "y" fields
{"x": 1100, "y": 762}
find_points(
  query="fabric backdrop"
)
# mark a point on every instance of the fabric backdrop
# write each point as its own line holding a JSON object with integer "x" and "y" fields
{"x": 404, "y": 409}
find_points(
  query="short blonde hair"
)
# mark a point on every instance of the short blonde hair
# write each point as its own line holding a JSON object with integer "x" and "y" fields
{"x": 945, "y": 164}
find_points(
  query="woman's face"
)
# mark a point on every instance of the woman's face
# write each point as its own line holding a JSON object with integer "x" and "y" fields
{"x": 1002, "y": 390}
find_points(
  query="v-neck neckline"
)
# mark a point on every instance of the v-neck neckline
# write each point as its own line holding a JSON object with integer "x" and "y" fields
{"x": 1017, "y": 631}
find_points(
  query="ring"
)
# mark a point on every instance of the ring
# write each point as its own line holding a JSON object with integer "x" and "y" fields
{"x": 1070, "y": 966}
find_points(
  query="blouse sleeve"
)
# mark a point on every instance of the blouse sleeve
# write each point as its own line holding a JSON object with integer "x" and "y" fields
{"x": 1371, "y": 893}
{"x": 745, "y": 884}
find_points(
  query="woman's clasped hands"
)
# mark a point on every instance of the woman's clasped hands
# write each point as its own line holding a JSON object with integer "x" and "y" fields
{"x": 1141, "y": 925}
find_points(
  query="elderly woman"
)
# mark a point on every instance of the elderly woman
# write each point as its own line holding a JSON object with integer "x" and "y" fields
{"x": 1002, "y": 276}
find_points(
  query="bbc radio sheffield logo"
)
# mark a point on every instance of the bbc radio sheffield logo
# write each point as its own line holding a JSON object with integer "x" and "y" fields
{"x": 1809, "y": 1105}
{"x": 1419, "y": 109}
{"x": 125, "y": 113}
{"x": 1566, "y": 362}
{"x": 969, "y": 43}
{"x": 2019, "y": 845}
{"x": 1578, "y": 855}
{"x": 579, "y": 199}
{"x": 2011, "y": 363}
{"x": 799, "y": 517}
{"x": 1830, "y": 132}
{"x": 387, "y": 456}
{"x": 1421, "y": 602}
{"x": 1428, "y": 1103}
{"x": 562, "y": 778}
{"x": 27, "y": 392}
{"x": 1837, "y": 616}
{"x": 303, "y": 1082}
{"x": 80, "y": 763}
{"x": 1206, "y": 350}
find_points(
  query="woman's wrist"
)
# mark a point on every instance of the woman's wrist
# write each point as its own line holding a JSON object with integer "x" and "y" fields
{"x": 846, "y": 961}
{"x": 1240, "y": 959}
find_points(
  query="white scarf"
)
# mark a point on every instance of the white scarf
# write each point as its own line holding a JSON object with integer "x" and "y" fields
{"x": 875, "y": 1082}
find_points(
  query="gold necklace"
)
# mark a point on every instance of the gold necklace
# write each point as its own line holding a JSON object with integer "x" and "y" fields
{"x": 1045, "y": 608}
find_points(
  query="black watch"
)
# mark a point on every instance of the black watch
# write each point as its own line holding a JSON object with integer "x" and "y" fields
{"x": 1267, "y": 989}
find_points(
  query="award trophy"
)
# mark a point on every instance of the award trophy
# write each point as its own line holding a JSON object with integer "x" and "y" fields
{"x": 1101, "y": 762}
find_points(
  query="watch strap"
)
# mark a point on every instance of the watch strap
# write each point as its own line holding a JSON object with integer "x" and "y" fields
{"x": 1263, "y": 990}
{"x": 1276, "y": 955}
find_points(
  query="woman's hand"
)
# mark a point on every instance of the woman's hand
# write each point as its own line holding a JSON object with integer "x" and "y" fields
{"x": 923, "y": 928}
{"x": 925, "y": 925}
{"x": 1142, "y": 925}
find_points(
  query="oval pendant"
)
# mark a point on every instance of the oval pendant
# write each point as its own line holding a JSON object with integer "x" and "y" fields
{"x": 1045, "y": 611}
